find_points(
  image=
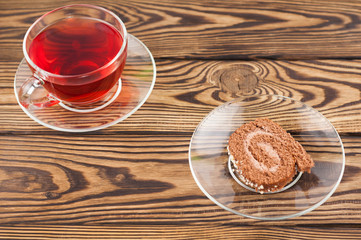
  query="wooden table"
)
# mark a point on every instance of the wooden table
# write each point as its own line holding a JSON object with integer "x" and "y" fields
{"x": 132, "y": 180}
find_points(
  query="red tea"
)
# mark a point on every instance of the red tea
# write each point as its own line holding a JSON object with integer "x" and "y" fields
{"x": 78, "y": 46}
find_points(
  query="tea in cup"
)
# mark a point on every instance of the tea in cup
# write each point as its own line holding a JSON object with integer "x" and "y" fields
{"x": 76, "y": 54}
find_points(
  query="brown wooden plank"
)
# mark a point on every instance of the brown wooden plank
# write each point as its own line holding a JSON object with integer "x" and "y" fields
{"x": 175, "y": 232}
{"x": 216, "y": 29}
{"x": 137, "y": 171}
{"x": 131, "y": 179}
{"x": 185, "y": 91}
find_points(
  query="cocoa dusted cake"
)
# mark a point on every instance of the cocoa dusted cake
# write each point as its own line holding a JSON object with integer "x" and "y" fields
{"x": 265, "y": 156}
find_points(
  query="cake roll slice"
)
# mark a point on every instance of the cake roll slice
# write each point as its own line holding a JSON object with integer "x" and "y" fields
{"x": 265, "y": 156}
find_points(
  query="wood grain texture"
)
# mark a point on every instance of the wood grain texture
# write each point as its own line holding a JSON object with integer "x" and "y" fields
{"x": 175, "y": 232}
{"x": 131, "y": 179}
{"x": 185, "y": 91}
{"x": 217, "y": 29}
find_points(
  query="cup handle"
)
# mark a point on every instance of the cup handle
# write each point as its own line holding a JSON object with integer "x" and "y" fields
{"x": 32, "y": 95}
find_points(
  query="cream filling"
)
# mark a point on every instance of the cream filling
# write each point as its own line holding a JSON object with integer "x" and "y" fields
{"x": 267, "y": 148}
{"x": 270, "y": 151}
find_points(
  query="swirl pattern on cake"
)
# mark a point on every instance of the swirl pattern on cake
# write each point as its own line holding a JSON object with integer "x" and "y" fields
{"x": 265, "y": 156}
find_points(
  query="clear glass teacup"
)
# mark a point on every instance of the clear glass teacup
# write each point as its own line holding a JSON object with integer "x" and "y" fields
{"x": 76, "y": 54}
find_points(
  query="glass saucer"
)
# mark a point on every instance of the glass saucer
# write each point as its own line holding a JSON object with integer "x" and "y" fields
{"x": 137, "y": 82}
{"x": 209, "y": 160}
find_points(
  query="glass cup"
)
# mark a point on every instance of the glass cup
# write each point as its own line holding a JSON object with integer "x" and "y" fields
{"x": 76, "y": 54}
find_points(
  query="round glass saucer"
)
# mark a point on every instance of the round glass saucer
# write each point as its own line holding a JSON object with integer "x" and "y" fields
{"x": 209, "y": 160}
{"x": 137, "y": 82}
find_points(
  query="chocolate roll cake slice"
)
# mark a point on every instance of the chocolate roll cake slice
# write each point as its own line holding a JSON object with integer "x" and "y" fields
{"x": 265, "y": 156}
